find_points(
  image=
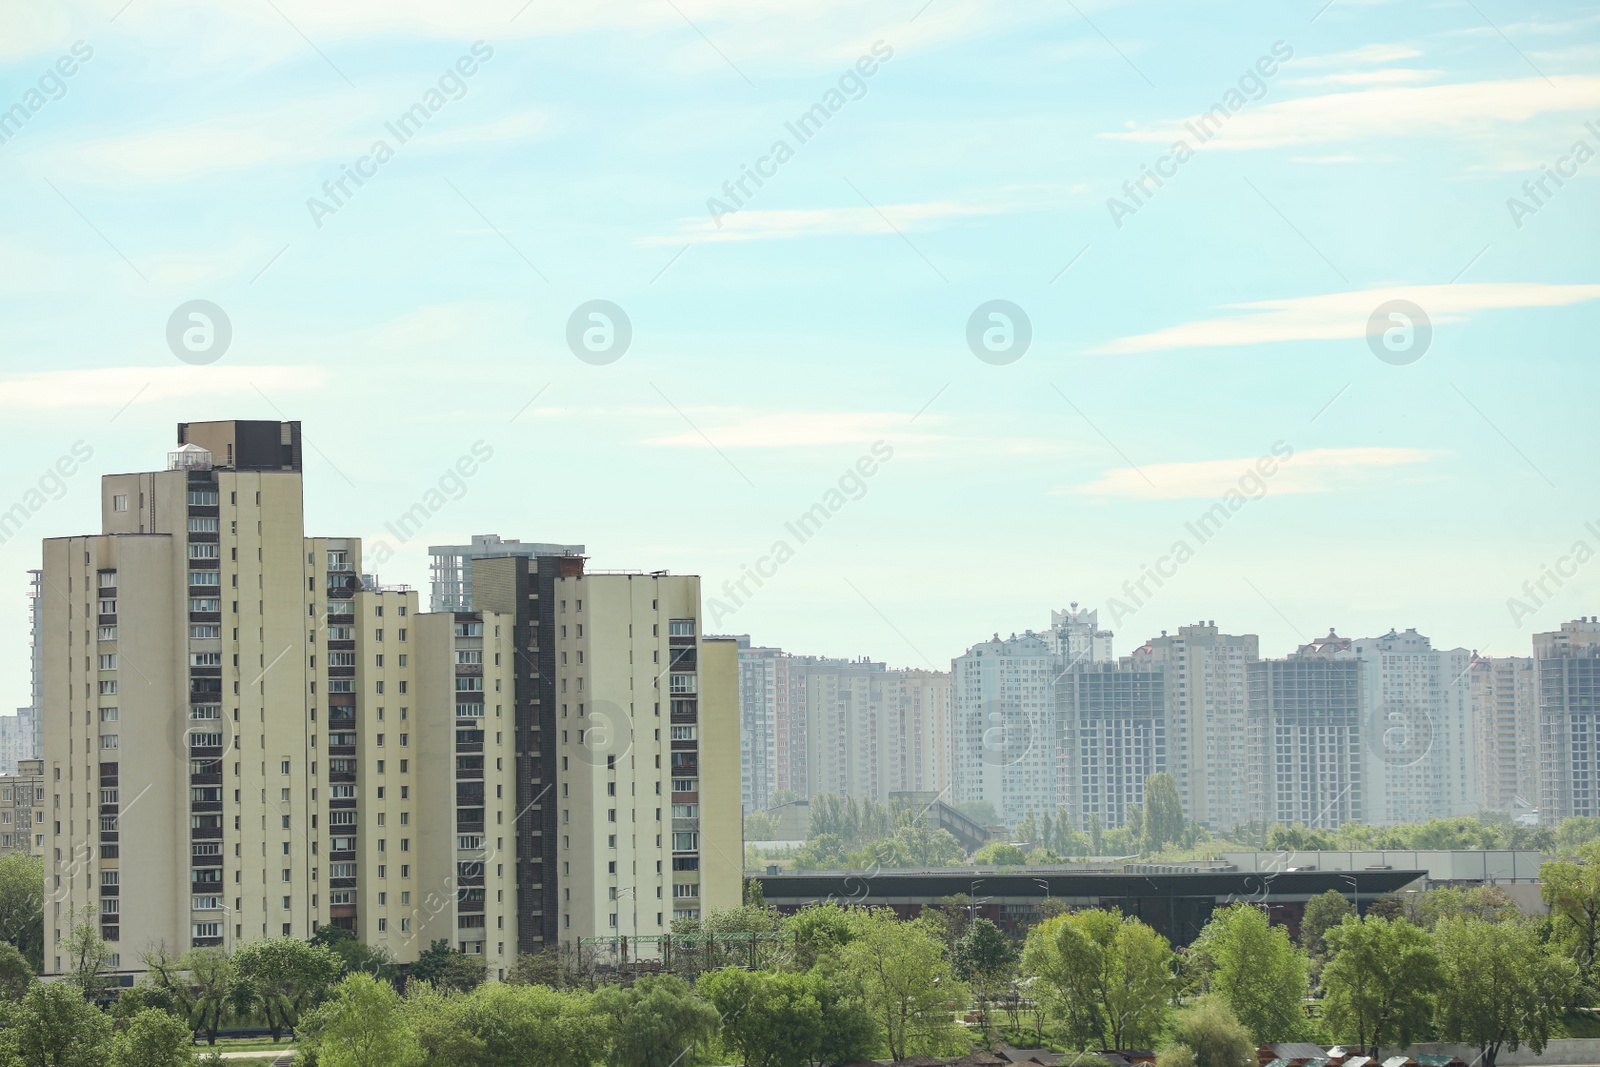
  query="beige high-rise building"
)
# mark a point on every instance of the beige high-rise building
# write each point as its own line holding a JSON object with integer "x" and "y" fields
{"x": 247, "y": 737}
{"x": 1567, "y": 675}
{"x": 1505, "y": 720}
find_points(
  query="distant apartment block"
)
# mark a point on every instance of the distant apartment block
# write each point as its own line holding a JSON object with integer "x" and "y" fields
{"x": 450, "y": 566}
{"x": 1076, "y": 637}
{"x": 1567, "y": 678}
{"x": 22, "y": 809}
{"x": 1418, "y": 733}
{"x": 1505, "y": 718}
{"x": 1111, "y": 720}
{"x": 1303, "y": 735}
{"x": 1005, "y": 725}
{"x": 1207, "y": 729}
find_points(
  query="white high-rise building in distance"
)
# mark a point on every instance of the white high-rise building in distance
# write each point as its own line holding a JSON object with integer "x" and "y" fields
{"x": 1005, "y": 725}
{"x": 1076, "y": 637}
{"x": 1567, "y": 675}
{"x": 1418, "y": 737}
{"x": 1207, "y": 734}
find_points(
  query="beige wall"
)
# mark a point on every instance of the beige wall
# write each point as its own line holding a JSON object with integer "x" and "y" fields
{"x": 721, "y": 829}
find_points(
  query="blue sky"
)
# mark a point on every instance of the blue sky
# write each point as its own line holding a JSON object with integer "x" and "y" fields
{"x": 1226, "y": 315}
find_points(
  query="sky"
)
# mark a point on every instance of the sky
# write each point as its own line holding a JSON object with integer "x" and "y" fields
{"x": 1287, "y": 265}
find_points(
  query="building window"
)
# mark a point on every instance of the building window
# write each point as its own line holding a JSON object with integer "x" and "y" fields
{"x": 108, "y": 742}
{"x": 119, "y": 502}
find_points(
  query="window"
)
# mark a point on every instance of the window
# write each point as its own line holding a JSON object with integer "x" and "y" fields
{"x": 119, "y": 502}
{"x": 205, "y": 577}
{"x": 203, "y": 524}
{"x": 205, "y": 659}
{"x": 107, "y": 633}
{"x": 682, "y": 683}
{"x": 108, "y": 714}
{"x": 200, "y": 632}
{"x": 204, "y": 552}
{"x": 206, "y": 904}
{"x": 684, "y": 785}
{"x": 685, "y": 811}
{"x": 108, "y": 687}
{"x": 108, "y": 607}
{"x": 342, "y": 870}
{"x": 680, "y": 628}
{"x": 108, "y": 742}
{"x": 683, "y": 733}
{"x": 202, "y": 498}
{"x": 469, "y": 657}
{"x": 207, "y": 929}
{"x": 685, "y": 889}
{"x": 212, "y": 605}
{"x": 685, "y": 842}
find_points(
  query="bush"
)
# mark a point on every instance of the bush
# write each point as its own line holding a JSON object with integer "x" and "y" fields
{"x": 1216, "y": 1035}
{"x": 1175, "y": 1056}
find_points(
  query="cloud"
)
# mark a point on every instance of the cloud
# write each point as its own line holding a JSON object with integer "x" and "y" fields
{"x": 1390, "y": 76}
{"x": 786, "y": 429}
{"x": 1317, "y": 470}
{"x": 1462, "y": 110}
{"x": 114, "y": 387}
{"x": 1336, "y": 316}
{"x": 1369, "y": 53}
{"x": 785, "y": 223}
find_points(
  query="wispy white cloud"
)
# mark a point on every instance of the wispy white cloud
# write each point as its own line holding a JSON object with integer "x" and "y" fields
{"x": 1387, "y": 76}
{"x": 1334, "y": 316}
{"x": 1317, "y": 470}
{"x": 113, "y": 387}
{"x": 785, "y": 223}
{"x": 1369, "y": 53}
{"x": 1465, "y": 109}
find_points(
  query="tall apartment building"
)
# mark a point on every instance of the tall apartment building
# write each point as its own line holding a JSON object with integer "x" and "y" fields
{"x": 1418, "y": 739}
{"x": 763, "y": 681}
{"x": 1505, "y": 718}
{"x": 1567, "y": 676}
{"x": 846, "y": 709}
{"x": 450, "y": 566}
{"x": 1206, "y": 732}
{"x": 920, "y": 748}
{"x": 290, "y": 744}
{"x": 21, "y": 809}
{"x": 1076, "y": 637}
{"x": 617, "y": 701}
{"x": 1304, "y": 736}
{"x": 1005, "y": 735}
{"x": 1111, "y": 720}
{"x": 20, "y": 736}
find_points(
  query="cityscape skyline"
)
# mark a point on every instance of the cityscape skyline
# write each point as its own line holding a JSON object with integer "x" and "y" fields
{"x": 1348, "y": 156}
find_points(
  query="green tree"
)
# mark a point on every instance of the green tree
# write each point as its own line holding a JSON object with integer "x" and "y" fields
{"x": 1486, "y": 902}
{"x": 538, "y": 968}
{"x": 152, "y": 1038}
{"x": 363, "y": 1024}
{"x": 818, "y": 930}
{"x": 16, "y": 973}
{"x": 984, "y": 958}
{"x": 1163, "y": 812}
{"x": 55, "y": 1027}
{"x": 1216, "y": 1036}
{"x": 1572, "y": 890}
{"x": 1502, "y": 988}
{"x": 914, "y": 845}
{"x": 287, "y": 977}
{"x": 526, "y": 1026}
{"x": 1379, "y": 983}
{"x": 999, "y": 854}
{"x": 655, "y": 1022}
{"x": 88, "y": 956}
{"x": 1257, "y": 971}
{"x": 357, "y": 956}
{"x": 1322, "y": 911}
{"x": 22, "y": 905}
{"x": 442, "y": 966}
{"x": 845, "y": 1032}
{"x": 907, "y": 984}
{"x": 1108, "y": 978}
{"x": 763, "y": 1014}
